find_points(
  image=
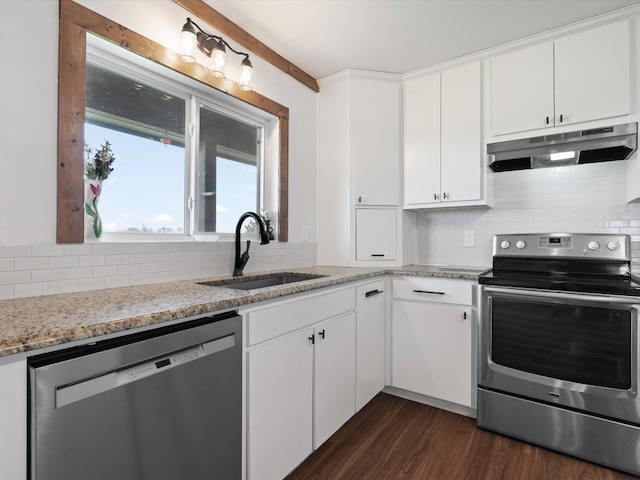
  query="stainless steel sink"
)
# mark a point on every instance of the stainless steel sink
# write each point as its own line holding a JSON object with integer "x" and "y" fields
{"x": 262, "y": 281}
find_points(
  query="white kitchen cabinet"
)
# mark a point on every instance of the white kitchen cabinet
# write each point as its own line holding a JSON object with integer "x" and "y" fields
{"x": 577, "y": 78}
{"x": 375, "y": 139}
{"x": 359, "y": 148}
{"x": 334, "y": 376}
{"x": 432, "y": 338}
{"x": 301, "y": 367}
{"x": 371, "y": 301}
{"x": 280, "y": 411}
{"x": 376, "y": 237}
{"x": 13, "y": 420}
{"x": 443, "y": 151}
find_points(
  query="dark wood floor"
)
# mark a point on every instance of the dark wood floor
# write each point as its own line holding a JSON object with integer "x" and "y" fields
{"x": 393, "y": 438}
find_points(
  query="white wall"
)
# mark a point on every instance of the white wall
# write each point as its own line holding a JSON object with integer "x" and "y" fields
{"x": 582, "y": 198}
{"x": 30, "y": 262}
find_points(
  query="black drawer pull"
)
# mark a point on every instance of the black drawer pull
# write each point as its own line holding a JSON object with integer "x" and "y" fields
{"x": 373, "y": 292}
{"x": 377, "y": 254}
{"x": 428, "y": 291}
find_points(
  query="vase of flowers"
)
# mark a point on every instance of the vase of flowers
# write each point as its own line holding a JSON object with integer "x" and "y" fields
{"x": 97, "y": 168}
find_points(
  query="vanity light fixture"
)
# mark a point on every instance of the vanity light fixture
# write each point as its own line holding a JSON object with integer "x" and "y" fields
{"x": 214, "y": 47}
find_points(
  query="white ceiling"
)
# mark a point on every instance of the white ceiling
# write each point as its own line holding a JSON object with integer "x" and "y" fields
{"x": 325, "y": 36}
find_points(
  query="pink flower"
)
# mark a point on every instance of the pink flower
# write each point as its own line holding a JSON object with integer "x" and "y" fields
{"x": 95, "y": 189}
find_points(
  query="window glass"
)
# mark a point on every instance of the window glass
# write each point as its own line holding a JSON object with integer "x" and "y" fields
{"x": 228, "y": 170}
{"x": 163, "y": 179}
{"x": 145, "y": 126}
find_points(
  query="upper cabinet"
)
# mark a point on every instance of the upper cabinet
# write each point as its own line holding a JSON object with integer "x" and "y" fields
{"x": 375, "y": 141}
{"x": 443, "y": 151}
{"x": 359, "y": 148}
{"x": 577, "y": 78}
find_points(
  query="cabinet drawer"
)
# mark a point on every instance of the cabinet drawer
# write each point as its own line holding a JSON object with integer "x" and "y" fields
{"x": 440, "y": 290}
{"x": 282, "y": 318}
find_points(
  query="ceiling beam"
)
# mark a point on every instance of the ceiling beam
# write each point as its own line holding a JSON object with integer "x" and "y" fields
{"x": 225, "y": 26}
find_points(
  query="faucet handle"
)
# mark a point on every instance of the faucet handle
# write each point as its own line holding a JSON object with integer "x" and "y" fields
{"x": 244, "y": 258}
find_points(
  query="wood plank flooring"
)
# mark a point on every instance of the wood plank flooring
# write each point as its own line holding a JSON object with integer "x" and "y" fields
{"x": 397, "y": 439}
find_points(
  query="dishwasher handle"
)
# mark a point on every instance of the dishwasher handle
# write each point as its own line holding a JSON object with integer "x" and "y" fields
{"x": 76, "y": 391}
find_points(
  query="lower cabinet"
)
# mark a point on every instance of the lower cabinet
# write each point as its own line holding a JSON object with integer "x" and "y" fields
{"x": 371, "y": 305}
{"x": 432, "y": 338}
{"x": 280, "y": 407}
{"x": 301, "y": 384}
{"x": 334, "y": 376}
{"x": 13, "y": 420}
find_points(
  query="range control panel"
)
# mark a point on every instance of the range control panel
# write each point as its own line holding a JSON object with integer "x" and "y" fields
{"x": 598, "y": 246}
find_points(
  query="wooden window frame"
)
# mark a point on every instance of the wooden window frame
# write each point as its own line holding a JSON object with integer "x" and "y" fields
{"x": 75, "y": 21}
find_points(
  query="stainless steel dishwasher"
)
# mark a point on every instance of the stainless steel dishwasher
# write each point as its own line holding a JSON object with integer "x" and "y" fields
{"x": 164, "y": 404}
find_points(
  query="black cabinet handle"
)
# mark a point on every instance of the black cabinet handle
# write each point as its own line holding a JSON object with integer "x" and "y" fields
{"x": 377, "y": 254}
{"x": 464, "y": 316}
{"x": 312, "y": 339}
{"x": 561, "y": 119}
{"x": 371, "y": 293}
{"x": 321, "y": 333}
{"x": 445, "y": 196}
{"x": 435, "y": 196}
{"x": 547, "y": 121}
{"x": 428, "y": 291}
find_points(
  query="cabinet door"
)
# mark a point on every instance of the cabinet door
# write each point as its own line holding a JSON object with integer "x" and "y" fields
{"x": 422, "y": 140}
{"x": 335, "y": 376}
{"x": 13, "y": 425}
{"x": 592, "y": 74}
{"x": 431, "y": 350}
{"x": 522, "y": 90}
{"x": 376, "y": 141}
{"x": 280, "y": 405}
{"x": 370, "y": 341}
{"x": 461, "y": 143}
{"x": 376, "y": 237}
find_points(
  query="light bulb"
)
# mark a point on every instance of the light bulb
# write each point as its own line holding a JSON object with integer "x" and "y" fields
{"x": 246, "y": 75}
{"x": 218, "y": 59}
{"x": 188, "y": 43}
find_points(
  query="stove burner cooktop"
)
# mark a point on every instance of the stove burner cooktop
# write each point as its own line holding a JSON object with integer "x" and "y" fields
{"x": 583, "y": 263}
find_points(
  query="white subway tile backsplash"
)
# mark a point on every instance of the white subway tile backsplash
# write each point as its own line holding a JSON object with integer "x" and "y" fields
{"x": 90, "y": 260}
{"x": 63, "y": 262}
{"x": 78, "y": 272}
{"x": 30, "y": 263}
{"x": 47, "y": 250}
{"x": 63, "y": 286}
{"x": 585, "y": 198}
{"x": 6, "y": 264}
{"x": 47, "y": 269}
{"x": 13, "y": 277}
{"x": 7, "y": 292}
{"x": 104, "y": 271}
{"x": 91, "y": 284}
{"x": 31, "y": 289}
{"x": 15, "y": 251}
{"x": 48, "y": 275}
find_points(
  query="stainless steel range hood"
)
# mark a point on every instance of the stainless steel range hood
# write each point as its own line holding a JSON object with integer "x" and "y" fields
{"x": 570, "y": 148}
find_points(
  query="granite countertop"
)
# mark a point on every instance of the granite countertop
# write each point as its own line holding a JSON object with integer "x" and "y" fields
{"x": 32, "y": 323}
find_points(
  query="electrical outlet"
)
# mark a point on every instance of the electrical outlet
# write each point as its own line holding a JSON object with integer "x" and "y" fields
{"x": 469, "y": 239}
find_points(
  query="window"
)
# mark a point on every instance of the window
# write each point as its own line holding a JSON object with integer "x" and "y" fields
{"x": 187, "y": 162}
{"x": 228, "y": 170}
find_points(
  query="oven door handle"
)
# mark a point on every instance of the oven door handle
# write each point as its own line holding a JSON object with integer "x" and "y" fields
{"x": 601, "y": 298}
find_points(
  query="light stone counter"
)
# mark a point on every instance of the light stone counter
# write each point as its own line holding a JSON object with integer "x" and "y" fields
{"x": 32, "y": 323}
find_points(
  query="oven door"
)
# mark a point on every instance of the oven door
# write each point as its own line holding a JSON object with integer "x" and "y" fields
{"x": 574, "y": 350}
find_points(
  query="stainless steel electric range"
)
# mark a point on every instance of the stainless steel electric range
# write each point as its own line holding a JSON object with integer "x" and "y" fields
{"x": 559, "y": 334}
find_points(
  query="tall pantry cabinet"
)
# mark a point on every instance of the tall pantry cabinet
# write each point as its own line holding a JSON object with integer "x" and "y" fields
{"x": 360, "y": 221}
